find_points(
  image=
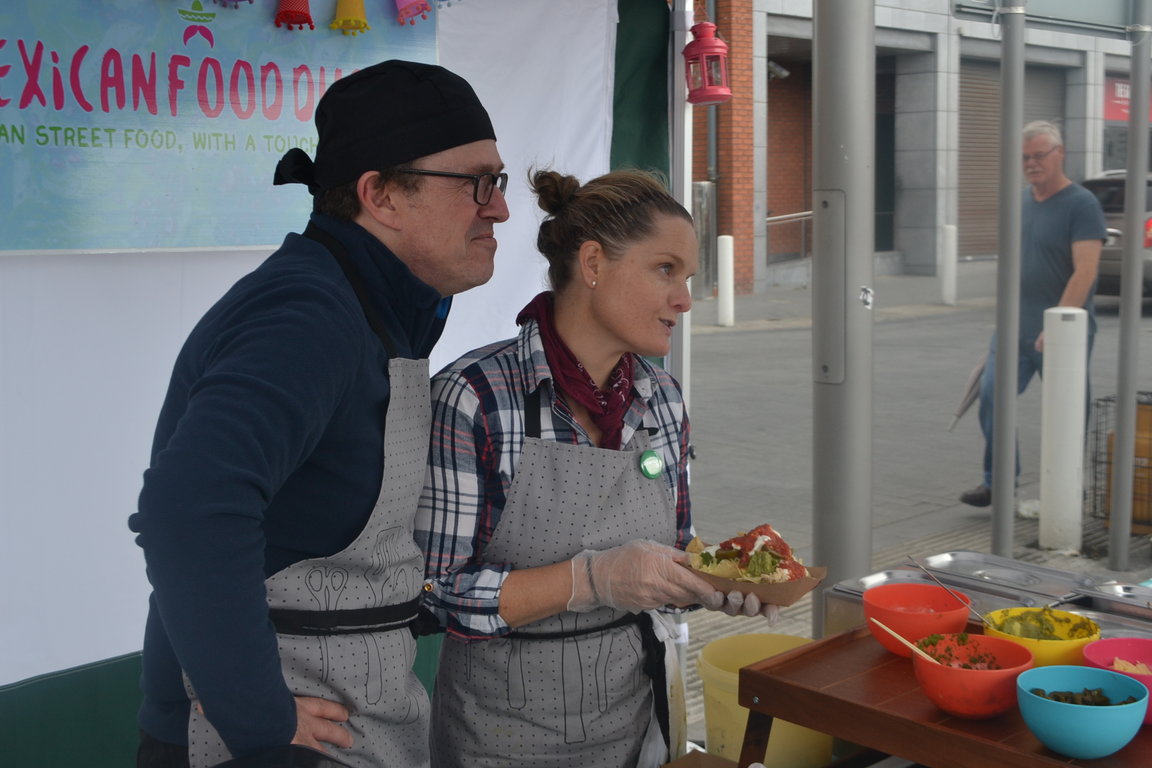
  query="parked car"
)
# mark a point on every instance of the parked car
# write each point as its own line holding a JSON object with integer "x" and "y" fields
{"x": 1109, "y": 190}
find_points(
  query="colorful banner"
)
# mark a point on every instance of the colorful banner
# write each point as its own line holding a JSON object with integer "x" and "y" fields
{"x": 1116, "y": 93}
{"x": 159, "y": 125}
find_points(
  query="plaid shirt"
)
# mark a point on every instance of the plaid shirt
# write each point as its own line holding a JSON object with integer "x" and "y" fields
{"x": 477, "y": 436}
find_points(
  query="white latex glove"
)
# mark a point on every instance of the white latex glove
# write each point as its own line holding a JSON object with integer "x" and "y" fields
{"x": 736, "y": 603}
{"x": 639, "y": 575}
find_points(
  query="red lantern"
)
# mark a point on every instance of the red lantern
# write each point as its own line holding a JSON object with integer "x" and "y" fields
{"x": 706, "y": 66}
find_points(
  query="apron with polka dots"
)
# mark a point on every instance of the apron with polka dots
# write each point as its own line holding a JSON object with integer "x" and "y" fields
{"x": 562, "y": 698}
{"x": 369, "y": 672}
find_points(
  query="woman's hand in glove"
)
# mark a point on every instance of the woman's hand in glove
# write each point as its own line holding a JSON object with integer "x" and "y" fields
{"x": 736, "y": 603}
{"x": 637, "y": 576}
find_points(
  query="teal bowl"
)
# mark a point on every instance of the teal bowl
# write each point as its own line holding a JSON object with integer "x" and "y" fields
{"x": 1081, "y": 731}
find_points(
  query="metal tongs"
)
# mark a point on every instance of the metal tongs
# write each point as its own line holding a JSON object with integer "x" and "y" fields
{"x": 968, "y": 603}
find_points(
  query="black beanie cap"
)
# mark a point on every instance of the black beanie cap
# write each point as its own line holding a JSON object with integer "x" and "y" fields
{"x": 386, "y": 115}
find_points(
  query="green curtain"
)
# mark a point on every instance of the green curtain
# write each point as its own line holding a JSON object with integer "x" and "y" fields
{"x": 640, "y": 101}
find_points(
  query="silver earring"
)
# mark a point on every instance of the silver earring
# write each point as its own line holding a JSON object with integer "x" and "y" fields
{"x": 593, "y": 283}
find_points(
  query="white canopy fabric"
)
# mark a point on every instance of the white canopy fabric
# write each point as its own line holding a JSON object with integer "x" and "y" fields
{"x": 87, "y": 339}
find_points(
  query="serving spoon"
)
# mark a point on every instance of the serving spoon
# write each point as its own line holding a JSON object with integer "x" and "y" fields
{"x": 915, "y": 648}
{"x": 967, "y": 603}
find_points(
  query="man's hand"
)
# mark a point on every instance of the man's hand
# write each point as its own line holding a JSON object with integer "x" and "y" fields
{"x": 318, "y": 723}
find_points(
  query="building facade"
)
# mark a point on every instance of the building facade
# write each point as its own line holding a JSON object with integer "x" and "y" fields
{"x": 937, "y": 125}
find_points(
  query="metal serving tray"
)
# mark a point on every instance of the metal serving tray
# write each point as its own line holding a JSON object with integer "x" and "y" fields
{"x": 979, "y": 567}
{"x": 1114, "y": 597}
{"x": 1115, "y": 625}
{"x": 973, "y": 587}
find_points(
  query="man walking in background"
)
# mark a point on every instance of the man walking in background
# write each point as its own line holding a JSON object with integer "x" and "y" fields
{"x": 1061, "y": 235}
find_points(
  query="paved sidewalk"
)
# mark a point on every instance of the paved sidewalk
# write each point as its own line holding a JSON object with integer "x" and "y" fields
{"x": 787, "y": 302}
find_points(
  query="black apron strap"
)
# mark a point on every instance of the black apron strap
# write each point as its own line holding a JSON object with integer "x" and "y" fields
{"x": 340, "y": 253}
{"x": 345, "y": 622}
{"x": 532, "y": 413}
{"x": 656, "y": 670}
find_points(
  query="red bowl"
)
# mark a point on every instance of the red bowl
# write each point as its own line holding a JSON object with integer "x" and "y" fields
{"x": 977, "y": 678}
{"x": 913, "y": 611}
{"x": 1102, "y": 653}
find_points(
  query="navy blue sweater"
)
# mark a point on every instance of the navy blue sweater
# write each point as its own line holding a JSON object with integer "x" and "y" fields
{"x": 268, "y": 451}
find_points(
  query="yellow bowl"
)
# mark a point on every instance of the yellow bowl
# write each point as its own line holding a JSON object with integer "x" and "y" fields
{"x": 1070, "y": 633}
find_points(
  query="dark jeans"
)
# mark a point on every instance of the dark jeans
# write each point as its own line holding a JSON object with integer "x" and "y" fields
{"x": 153, "y": 753}
{"x": 1029, "y": 363}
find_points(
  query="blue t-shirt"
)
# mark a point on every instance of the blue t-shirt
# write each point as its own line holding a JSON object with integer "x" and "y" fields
{"x": 1047, "y": 232}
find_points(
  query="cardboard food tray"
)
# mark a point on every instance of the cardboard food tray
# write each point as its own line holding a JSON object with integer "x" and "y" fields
{"x": 781, "y": 593}
{"x": 700, "y": 760}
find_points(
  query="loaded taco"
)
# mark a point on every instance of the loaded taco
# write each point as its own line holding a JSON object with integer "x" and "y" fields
{"x": 760, "y": 556}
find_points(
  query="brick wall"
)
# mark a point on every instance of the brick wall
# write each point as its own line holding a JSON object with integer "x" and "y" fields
{"x": 790, "y": 160}
{"x": 789, "y": 156}
{"x": 734, "y": 138}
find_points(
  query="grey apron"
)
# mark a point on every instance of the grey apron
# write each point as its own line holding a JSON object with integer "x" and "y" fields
{"x": 550, "y": 696}
{"x": 343, "y": 621}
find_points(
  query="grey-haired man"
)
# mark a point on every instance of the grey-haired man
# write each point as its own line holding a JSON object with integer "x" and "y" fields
{"x": 1062, "y": 234}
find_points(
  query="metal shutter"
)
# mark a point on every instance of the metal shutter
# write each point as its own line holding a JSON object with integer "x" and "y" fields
{"x": 979, "y": 174}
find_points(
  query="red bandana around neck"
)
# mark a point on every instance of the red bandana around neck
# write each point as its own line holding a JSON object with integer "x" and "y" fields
{"x": 606, "y": 406}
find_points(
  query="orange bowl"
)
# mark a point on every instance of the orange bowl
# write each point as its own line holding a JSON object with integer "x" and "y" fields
{"x": 913, "y": 611}
{"x": 976, "y": 678}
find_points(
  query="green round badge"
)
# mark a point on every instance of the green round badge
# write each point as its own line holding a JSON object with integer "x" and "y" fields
{"x": 651, "y": 465}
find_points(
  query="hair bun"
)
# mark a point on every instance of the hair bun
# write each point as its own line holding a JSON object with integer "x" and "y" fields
{"x": 554, "y": 191}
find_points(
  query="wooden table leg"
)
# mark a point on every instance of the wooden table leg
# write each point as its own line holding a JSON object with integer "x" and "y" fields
{"x": 756, "y": 735}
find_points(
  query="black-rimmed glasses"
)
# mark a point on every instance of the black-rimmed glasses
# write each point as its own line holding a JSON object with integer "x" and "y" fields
{"x": 1038, "y": 156}
{"x": 482, "y": 183}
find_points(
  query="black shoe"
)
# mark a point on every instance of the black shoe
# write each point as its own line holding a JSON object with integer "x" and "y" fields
{"x": 980, "y": 496}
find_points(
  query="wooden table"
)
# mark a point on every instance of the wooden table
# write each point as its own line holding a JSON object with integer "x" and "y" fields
{"x": 849, "y": 686}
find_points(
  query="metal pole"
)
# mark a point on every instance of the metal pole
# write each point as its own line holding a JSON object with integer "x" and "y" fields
{"x": 843, "y": 201}
{"x": 1008, "y": 279}
{"x": 1131, "y": 287}
{"x": 679, "y": 363}
{"x": 713, "y": 116}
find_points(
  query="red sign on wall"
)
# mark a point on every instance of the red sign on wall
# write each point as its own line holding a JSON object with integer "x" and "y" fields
{"x": 1116, "y": 91}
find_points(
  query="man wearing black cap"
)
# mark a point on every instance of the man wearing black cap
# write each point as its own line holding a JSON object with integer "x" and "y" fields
{"x": 276, "y": 514}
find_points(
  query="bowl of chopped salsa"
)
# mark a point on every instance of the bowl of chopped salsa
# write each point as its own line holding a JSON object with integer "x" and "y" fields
{"x": 973, "y": 676}
{"x": 1054, "y": 636}
{"x": 1131, "y": 656}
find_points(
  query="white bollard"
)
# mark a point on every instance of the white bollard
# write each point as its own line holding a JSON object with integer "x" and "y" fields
{"x": 946, "y": 264}
{"x": 1062, "y": 428}
{"x": 725, "y": 282}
